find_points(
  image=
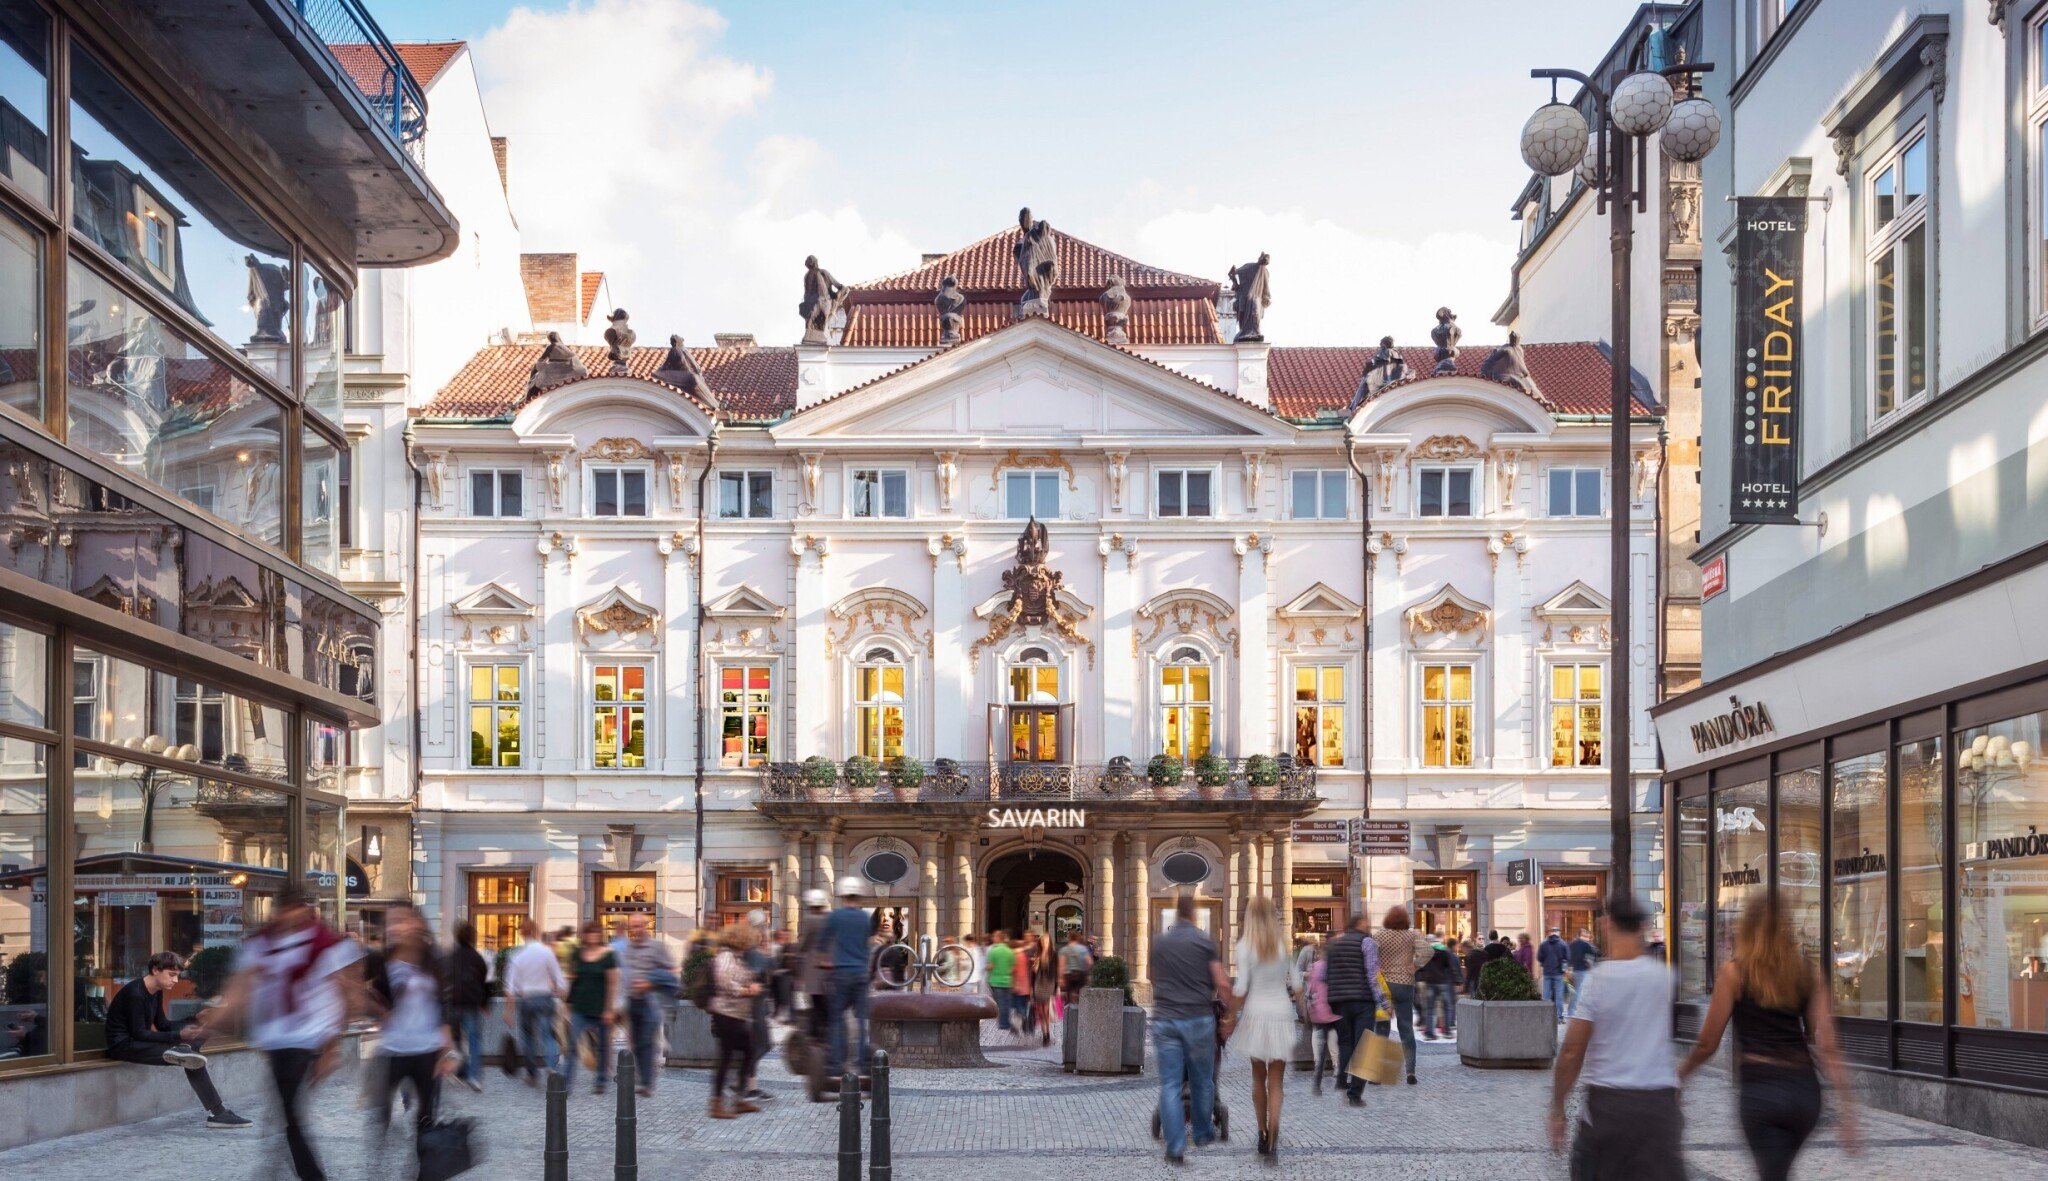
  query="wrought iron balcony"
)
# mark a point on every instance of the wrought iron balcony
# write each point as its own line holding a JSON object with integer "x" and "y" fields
{"x": 1034, "y": 784}
{"x": 356, "y": 41}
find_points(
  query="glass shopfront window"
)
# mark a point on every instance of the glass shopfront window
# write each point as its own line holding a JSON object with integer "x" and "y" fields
{"x": 1858, "y": 865}
{"x": 25, "y": 97}
{"x": 21, "y": 302}
{"x": 1690, "y": 929}
{"x": 160, "y": 713}
{"x": 320, "y": 364}
{"x": 24, "y": 900}
{"x": 1797, "y": 825}
{"x": 1742, "y": 850}
{"x": 499, "y": 903}
{"x": 2002, "y": 832}
{"x": 1922, "y": 923}
{"x": 321, "y": 461}
{"x": 24, "y": 665}
{"x": 324, "y": 857}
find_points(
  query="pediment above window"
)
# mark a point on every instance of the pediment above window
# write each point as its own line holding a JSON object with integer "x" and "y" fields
{"x": 620, "y": 615}
{"x": 743, "y": 603}
{"x": 1577, "y": 601}
{"x": 879, "y": 600}
{"x": 1185, "y": 612}
{"x": 1320, "y": 602}
{"x": 492, "y": 601}
{"x": 876, "y": 611}
{"x": 1448, "y": 612}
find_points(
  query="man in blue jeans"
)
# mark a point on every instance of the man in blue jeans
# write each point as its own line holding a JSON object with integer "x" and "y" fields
{"x": 1187, "y": 983}
{"x": 1552, "y": 955}
{"x": 647, "y": 978}
{"x": 846, "y": 935}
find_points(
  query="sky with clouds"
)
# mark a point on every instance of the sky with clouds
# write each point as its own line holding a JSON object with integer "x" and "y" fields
{"x": 696, "y": 150}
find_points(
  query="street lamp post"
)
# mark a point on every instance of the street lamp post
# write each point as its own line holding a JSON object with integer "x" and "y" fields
{"x": 1555, "y": 141}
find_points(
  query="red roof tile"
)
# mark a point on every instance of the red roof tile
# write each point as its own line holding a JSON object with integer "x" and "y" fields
{"x": 592, "y": 280}
{"x": 425, "y": 60}
{"x": 989, "y": 266}
{"x": 915, "y": 323}
{"x": 750, "y": 383}
{"x": 1572, "y": 376}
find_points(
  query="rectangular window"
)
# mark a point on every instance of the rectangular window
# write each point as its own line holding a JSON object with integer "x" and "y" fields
{"x": 1858, "y": 862}
{"x": 618, "y": 492}
{"x": 21, "y": 292}
{"x": 202, "y": 720}
{"x": 878, "y": 706}
{"x": 1922, "y": 923}
{"x": 746, "y": 495}
{"x": 1184, "y": 493}
{"x": 85, "y": 706}
{"x": 1320, "y": 496}
{"x": 879, "y": 492}
{"x": 1693, "y": 899}
{"x": 1443, "y": 491}
{"x": 745, "y": 696}
{"x": 1319, "y": 714}
{"x": 2001, "y": 813}
{"x": 495, "y": 699}
{"x": 1574, "y": 492}
{"x": 1575, "y": 721}
{"x": 499, "y": 903}
{"x": 1742, "y": 853}
{"x": 1447, "y": 707}
{"x": 497, "y": 493}
{"x": 1797, "y": 831}
{"x": 1898, "y": 259}
{"x": 1185, "y": 700}
{"x": 618, "y": 707}
{"x": 1031, "y": 494}
{"x": 25, "y": 97}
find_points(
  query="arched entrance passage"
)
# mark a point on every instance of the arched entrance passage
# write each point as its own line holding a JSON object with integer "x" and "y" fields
{"x": 1031, "y": 885}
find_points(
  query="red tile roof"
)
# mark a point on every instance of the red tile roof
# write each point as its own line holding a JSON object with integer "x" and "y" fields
{"x": 592, "y": 280}
{"x": 989, "y": 265}
{"x": 915, "y": 324}
{"x": 750, "y": 383}
{"x": 1572, "y": 376}
{"x": 425, "y": 60}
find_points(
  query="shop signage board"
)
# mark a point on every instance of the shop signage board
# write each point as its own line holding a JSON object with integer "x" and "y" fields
{"x": 1522, "y": 872}
{"x": 1320, "y": 832}
{"x": 1770, "y": 247}
{"x": 1713, "y": 578}
{"x": 1379, "y": 838}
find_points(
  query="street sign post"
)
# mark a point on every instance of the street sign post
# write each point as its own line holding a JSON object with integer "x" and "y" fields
{"x": 1379, "y": 838}
{"x": 1321, "y": 832}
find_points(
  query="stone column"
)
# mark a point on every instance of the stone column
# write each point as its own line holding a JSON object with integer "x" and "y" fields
{"x": 827, "y": 863}
{"x": 1233, "y": 901}
{"x": 928, "y": 895}
{"x": 679, "y": 738}
{"x": 950, "y": 617}
{"x": 1254, "y": 731}
{"x": 792, "y": 881}
{"x": 963, "y": 881}
{"x": 557, "y": 672}
{"x": 1282, "y": 872}
{"x": 811, "y": 728}
{"x": 1105, "y": 892}
{"x": 1138, "y": 887}
{"x": 1120, "y": 727}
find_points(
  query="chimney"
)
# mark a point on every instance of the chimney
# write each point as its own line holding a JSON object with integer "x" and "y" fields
{"x": 734, "y": 340}
{"x": 498, "y": 147}
{"x": 930, "y": 257}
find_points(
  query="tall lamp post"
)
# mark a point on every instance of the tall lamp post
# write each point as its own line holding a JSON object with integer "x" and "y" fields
{"x": 1555, "y": 141}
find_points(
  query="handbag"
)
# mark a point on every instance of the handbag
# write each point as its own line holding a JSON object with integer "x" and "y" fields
{"x": 447, "y": 1150}
{"x": 508, "y": 1055}
{"x": 1377, "y": 1059}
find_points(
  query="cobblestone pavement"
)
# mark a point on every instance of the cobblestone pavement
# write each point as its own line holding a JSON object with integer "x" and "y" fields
{"x": 1458, "y": 1122}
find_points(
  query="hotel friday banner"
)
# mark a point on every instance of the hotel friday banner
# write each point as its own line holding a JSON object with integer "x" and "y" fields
{"x": 1770, "y": 250}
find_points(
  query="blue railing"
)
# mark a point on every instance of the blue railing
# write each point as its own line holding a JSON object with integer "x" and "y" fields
{"x": 355, "y": 39}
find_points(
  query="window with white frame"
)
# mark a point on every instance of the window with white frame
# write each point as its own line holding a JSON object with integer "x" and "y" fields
{"x": 745, "y": 699}
{"x": 2035, "y": 102}
{"x": 1031, "y": 494}
{"x": 879, "y": 492}
{"x": 1896, "y": 265}
{"x": 1186, "y": 702}
{"x": 202, "y": 720}
{"x": 1447, "y": 713}
{"x": 618, "y": 716}
{"x": 1319, "y": 714}
{"x": 878, "y": 696}
{"x": 1574, "y": 492}
{"x": 746, "y": 495}
{"x": 1444, "y": 491}
{"x": 1765, "y": 18}
{"x": 1575, "y": 714}
{"x": 496, "y": 493}
{"x": 1320, "y": 495}
{"x": 1184, "y": 492}
{"x": 496, "y": 697}
{"x": 85, "y": 704}
{"x": 618, "y": 491}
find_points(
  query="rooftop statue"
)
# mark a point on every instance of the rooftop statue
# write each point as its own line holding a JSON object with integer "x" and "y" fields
{"x": 1116, "y": 311}
{"x": 619, "y": 338}
{"x": 1446, "y": 335}
{"x": 1382, "y": 369}
{"x": 1038, "y": 261}
{"x": 268, "y": 288}
{"x": 557, "y": 363}
{"x": 1251, "y": 294}
{"x": 681, "y": 370}
{"x": 951, "y": 303}
{"x": 1507, "y": 366}
{"x": 823, "y": 297}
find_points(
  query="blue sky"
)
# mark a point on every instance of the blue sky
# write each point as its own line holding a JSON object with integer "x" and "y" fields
{"x": 1370, "y": 146}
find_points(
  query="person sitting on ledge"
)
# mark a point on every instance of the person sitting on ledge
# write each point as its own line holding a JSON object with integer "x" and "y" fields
{"x": 139, "y": 1030}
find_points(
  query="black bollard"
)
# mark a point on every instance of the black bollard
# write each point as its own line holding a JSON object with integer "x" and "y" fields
{"x": 849, "y": 1126}
{"x": 626, "y": 1139}
{"x": 555, "y": 1153}
{"x": 879, "y": 1167}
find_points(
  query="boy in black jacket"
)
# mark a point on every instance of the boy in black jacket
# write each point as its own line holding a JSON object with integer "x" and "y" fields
{"x": 139, "y": 1031}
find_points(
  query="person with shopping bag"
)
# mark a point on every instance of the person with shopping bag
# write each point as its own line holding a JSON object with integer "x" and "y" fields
{"x": 1351, "y": 977}
{"x": 1402, "y": 949}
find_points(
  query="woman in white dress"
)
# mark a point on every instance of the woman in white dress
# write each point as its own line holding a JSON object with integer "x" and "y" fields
{"x": 1264, "y": 1005}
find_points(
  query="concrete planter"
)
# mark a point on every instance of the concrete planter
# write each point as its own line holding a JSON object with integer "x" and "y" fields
{"x": 1304, "y": 1045}
{"x": 1506, "y": 1035}
{"x": 690, "y": 1042}
{"x": 1133, "y": 1039}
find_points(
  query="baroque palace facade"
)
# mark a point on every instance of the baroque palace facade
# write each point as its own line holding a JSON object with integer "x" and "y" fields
{"x": 672, "y": 600}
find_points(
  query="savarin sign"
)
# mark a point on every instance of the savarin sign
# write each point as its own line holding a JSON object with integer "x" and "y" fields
{"x": 1038, "y": 817}
{"x": 1770, "y": 245}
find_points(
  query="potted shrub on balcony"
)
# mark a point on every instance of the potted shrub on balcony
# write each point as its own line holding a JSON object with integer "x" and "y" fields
{"x": 1508, "y": 1025}
{"x": 1107, "y": 1035}
{"x": 1262, "y": 773}
{"x": 1212, "y": 772}
{"x": 1165, "y": 771}
{"x": 905, "y": 773}
{"x": 863, "y": 774}
{"x": 820, "y": 775}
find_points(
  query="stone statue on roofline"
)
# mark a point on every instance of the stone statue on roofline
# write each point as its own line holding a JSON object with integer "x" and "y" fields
{"x": 951, "y": 303}
{"x": 556, "y": 364}
{"x": 823, "y": 297}
{"x": 681, "y": 370}
{"x": 618, "y": 339}
{"x": 1446, "y": 334}
{"x": 1251, "y": 294}
{"x": 1038, "y": 261}
{"x": 1382, "y": 369}
{"x": 269, "y": 286}
{"x": 1507, "y": 366}
{"x": 1116, "y": 311}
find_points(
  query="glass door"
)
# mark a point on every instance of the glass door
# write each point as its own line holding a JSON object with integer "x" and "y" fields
{"x": 1034, "y": 708}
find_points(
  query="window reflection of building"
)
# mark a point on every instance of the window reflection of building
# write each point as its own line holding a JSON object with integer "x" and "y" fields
{"x": 2002, "y": 837}
{"x": 1856, "y": 888}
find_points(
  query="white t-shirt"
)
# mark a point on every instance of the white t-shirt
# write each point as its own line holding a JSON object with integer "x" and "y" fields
{"x": 291, "y": 1010}
{"x": 1628, "y": 1003}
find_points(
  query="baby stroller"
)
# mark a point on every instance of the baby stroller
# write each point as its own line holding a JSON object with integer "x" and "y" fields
{"x": 1220, "y": 1114}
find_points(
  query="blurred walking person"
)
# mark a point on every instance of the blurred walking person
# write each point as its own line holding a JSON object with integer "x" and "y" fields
{"x": 1553, "y": 956}
{"x": 1402, "y": 950}
{"x": 593, "y": 998}
{"x": 1525, "y": 954}
{"x": 1779, "y": 1004}
{"x": 1620, "y": 1042}
{"x": 1075, "y": 961}
{"x": 1582, "y": 955}
{"x": 1437, "y": 979}
{"x": 1263, "y": 1002}
{"x": 1002, "y": 967}
{"x": 415, "y": 1038}
{"x": 1352, "y": 969}
{"x": 1188, "y": 985}
{"x": 735, "y": 990}
{"x": 533, "y": 983}
{"x": 761, "y": 962}
{"x": 814, "y": 975}
{"x": 467, "y": 977}
{"x": 1322, "y": 1019}
{"x": 1045, "y": 976}
{"x": 647, "y": 976}
{"x": 846, "y": 935}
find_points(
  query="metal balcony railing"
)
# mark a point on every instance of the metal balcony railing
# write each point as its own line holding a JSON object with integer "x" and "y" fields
{"x": 353, "y": 36}
{"x": 946, "y": 781}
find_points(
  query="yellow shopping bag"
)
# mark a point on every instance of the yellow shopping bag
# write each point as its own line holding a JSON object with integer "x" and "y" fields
{"x": 1377, "y": 1060}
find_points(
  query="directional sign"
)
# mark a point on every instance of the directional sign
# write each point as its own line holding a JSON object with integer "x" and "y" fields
{"x": 1321, "y": 832}
{"x": 1379, "y": 838}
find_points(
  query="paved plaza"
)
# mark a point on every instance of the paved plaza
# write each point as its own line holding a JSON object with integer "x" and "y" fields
{"x": 1457, "y": 1123}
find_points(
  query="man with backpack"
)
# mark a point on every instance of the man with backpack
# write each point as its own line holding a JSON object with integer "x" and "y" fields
{"x": 1438, "y": 977}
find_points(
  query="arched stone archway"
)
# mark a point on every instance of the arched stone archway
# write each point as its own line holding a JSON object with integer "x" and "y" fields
{"x": 1025, "y": 885}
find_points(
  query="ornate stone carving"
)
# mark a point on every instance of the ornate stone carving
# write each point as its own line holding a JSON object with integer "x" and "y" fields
{"x": 1645, "y": 470}
{"x": 1382, "y": 369}
{"x": 951, "y": 304}
{"x": 1385, "y": 462}
{"x": 1684, "y": 221}
{"x": 675, "y": 479}
{"x": 1118, "y": 468}
{"x": 1446, "y": 335}
{"x": 556, "y": 461}
{"x": 811, "y": 465}
{"x": 1254, "y": 472}
{"x": 949, "y": 477}
{"x": 1845, "y": 152}
{"x": 1507, "y": 366}
{"x": 1447, "y": 613}
{"x": 1507, "y": 462}
{"x": 556, "y": 365}
{"x": 1034, "y": 596}
{"x": 1447, "y": 448}
{"x": 619, "y": 450}
{"x": 619, "y": 339}
{"x": 1934, "y": 55}
{"x": 1187, "y": 613}
{"x": 1116, "y": 311}
{"x": 434, "y": 466}
{"x": 1050, "y": 461}
{"x": 877, "y": 612}
{"x": 680, "y": 369}
{"x": 946, "y": 543}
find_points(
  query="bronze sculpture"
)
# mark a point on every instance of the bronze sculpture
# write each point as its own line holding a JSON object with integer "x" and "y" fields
{"x": 1385, "y": 367}
{"x": 268, "y": 287}
{"x": 619, "y": 338}
{"x": 1116, "y": 311}
{"x": 556, "y": 364}
{"x": 1446, "y": 335}
{"x": 823, "y": 297}
{"x": 1252, "y": 293}
{"x": 1507, "y": 366}
{"x": 951, "y": 303}
{"x": 1037, "y": 254}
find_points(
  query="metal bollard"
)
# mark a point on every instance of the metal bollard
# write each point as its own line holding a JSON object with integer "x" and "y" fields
{"x": 555, "y": 1153}
{"x": 626, "y": 1138}
{"x": 849, "y": 1125}
{"x": 879, "y": 1166}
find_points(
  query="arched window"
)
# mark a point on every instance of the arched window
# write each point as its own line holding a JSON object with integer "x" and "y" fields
{"x": 1034, "y": 710}
{"x": 1034, "y": 678}
{"x": 1185, "y": 703}
{"x": 878, "y": 691}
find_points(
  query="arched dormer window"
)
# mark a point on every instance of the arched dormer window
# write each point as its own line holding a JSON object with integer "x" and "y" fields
{"x": 879, "y": 688}
{"x": 1186, "y": 703}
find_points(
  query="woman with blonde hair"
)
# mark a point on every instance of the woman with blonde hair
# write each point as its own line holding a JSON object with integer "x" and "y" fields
{"x": 1263, "y": 1000}
{"x": 733, "y": 989}
{"x": 1779, "y": 1003}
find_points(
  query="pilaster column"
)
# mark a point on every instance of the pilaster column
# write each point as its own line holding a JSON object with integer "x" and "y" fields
{"x": 963, "y": 882}
{"x": 1119, "y": 667}
{"x": 1520, "y": 743}
{"x": 678, "y": 622}
{"x": 1282, "y": 872}
{"x": 928, "y": 897}
{"x": 828, "y": 863}
{"x": 557, "y": 676}
{"x": 1233, "y": 902}
{"x": 1254, "y": 732}
{"x": 792, "y": 882}
{"x": 1105, "y": 892}
{"x": 1138, "y": 887}
{"x": 812, "y": 727}
{"x": 950, "y": 617}
{"x": 839, "y": 859}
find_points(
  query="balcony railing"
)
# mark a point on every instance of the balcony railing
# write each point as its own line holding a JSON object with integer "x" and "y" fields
{"x": 1033, "y": 784}
{"x": 353, "y": 36}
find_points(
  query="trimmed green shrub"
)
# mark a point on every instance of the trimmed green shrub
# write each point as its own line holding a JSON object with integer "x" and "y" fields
{"x": 905, "y": 773}
{"x": 862, "y": 772}
{"x": 1262, "y": 770}
{"x": 22, "y": 985}
{"x": 1165, "y": 771}
{"x": 819, "y": 773}
{"x": 1111, "y": 971}
{"x": 498, "y": 970}
{"x": 696, "y": 969}
{"x": 1212, "y": 771}
{"x": 1504, "y": 980}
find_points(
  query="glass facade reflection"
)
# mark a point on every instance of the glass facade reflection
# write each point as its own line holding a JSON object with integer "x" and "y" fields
{"x": 21, "y": 315}
{"x": 25, "y": 98}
